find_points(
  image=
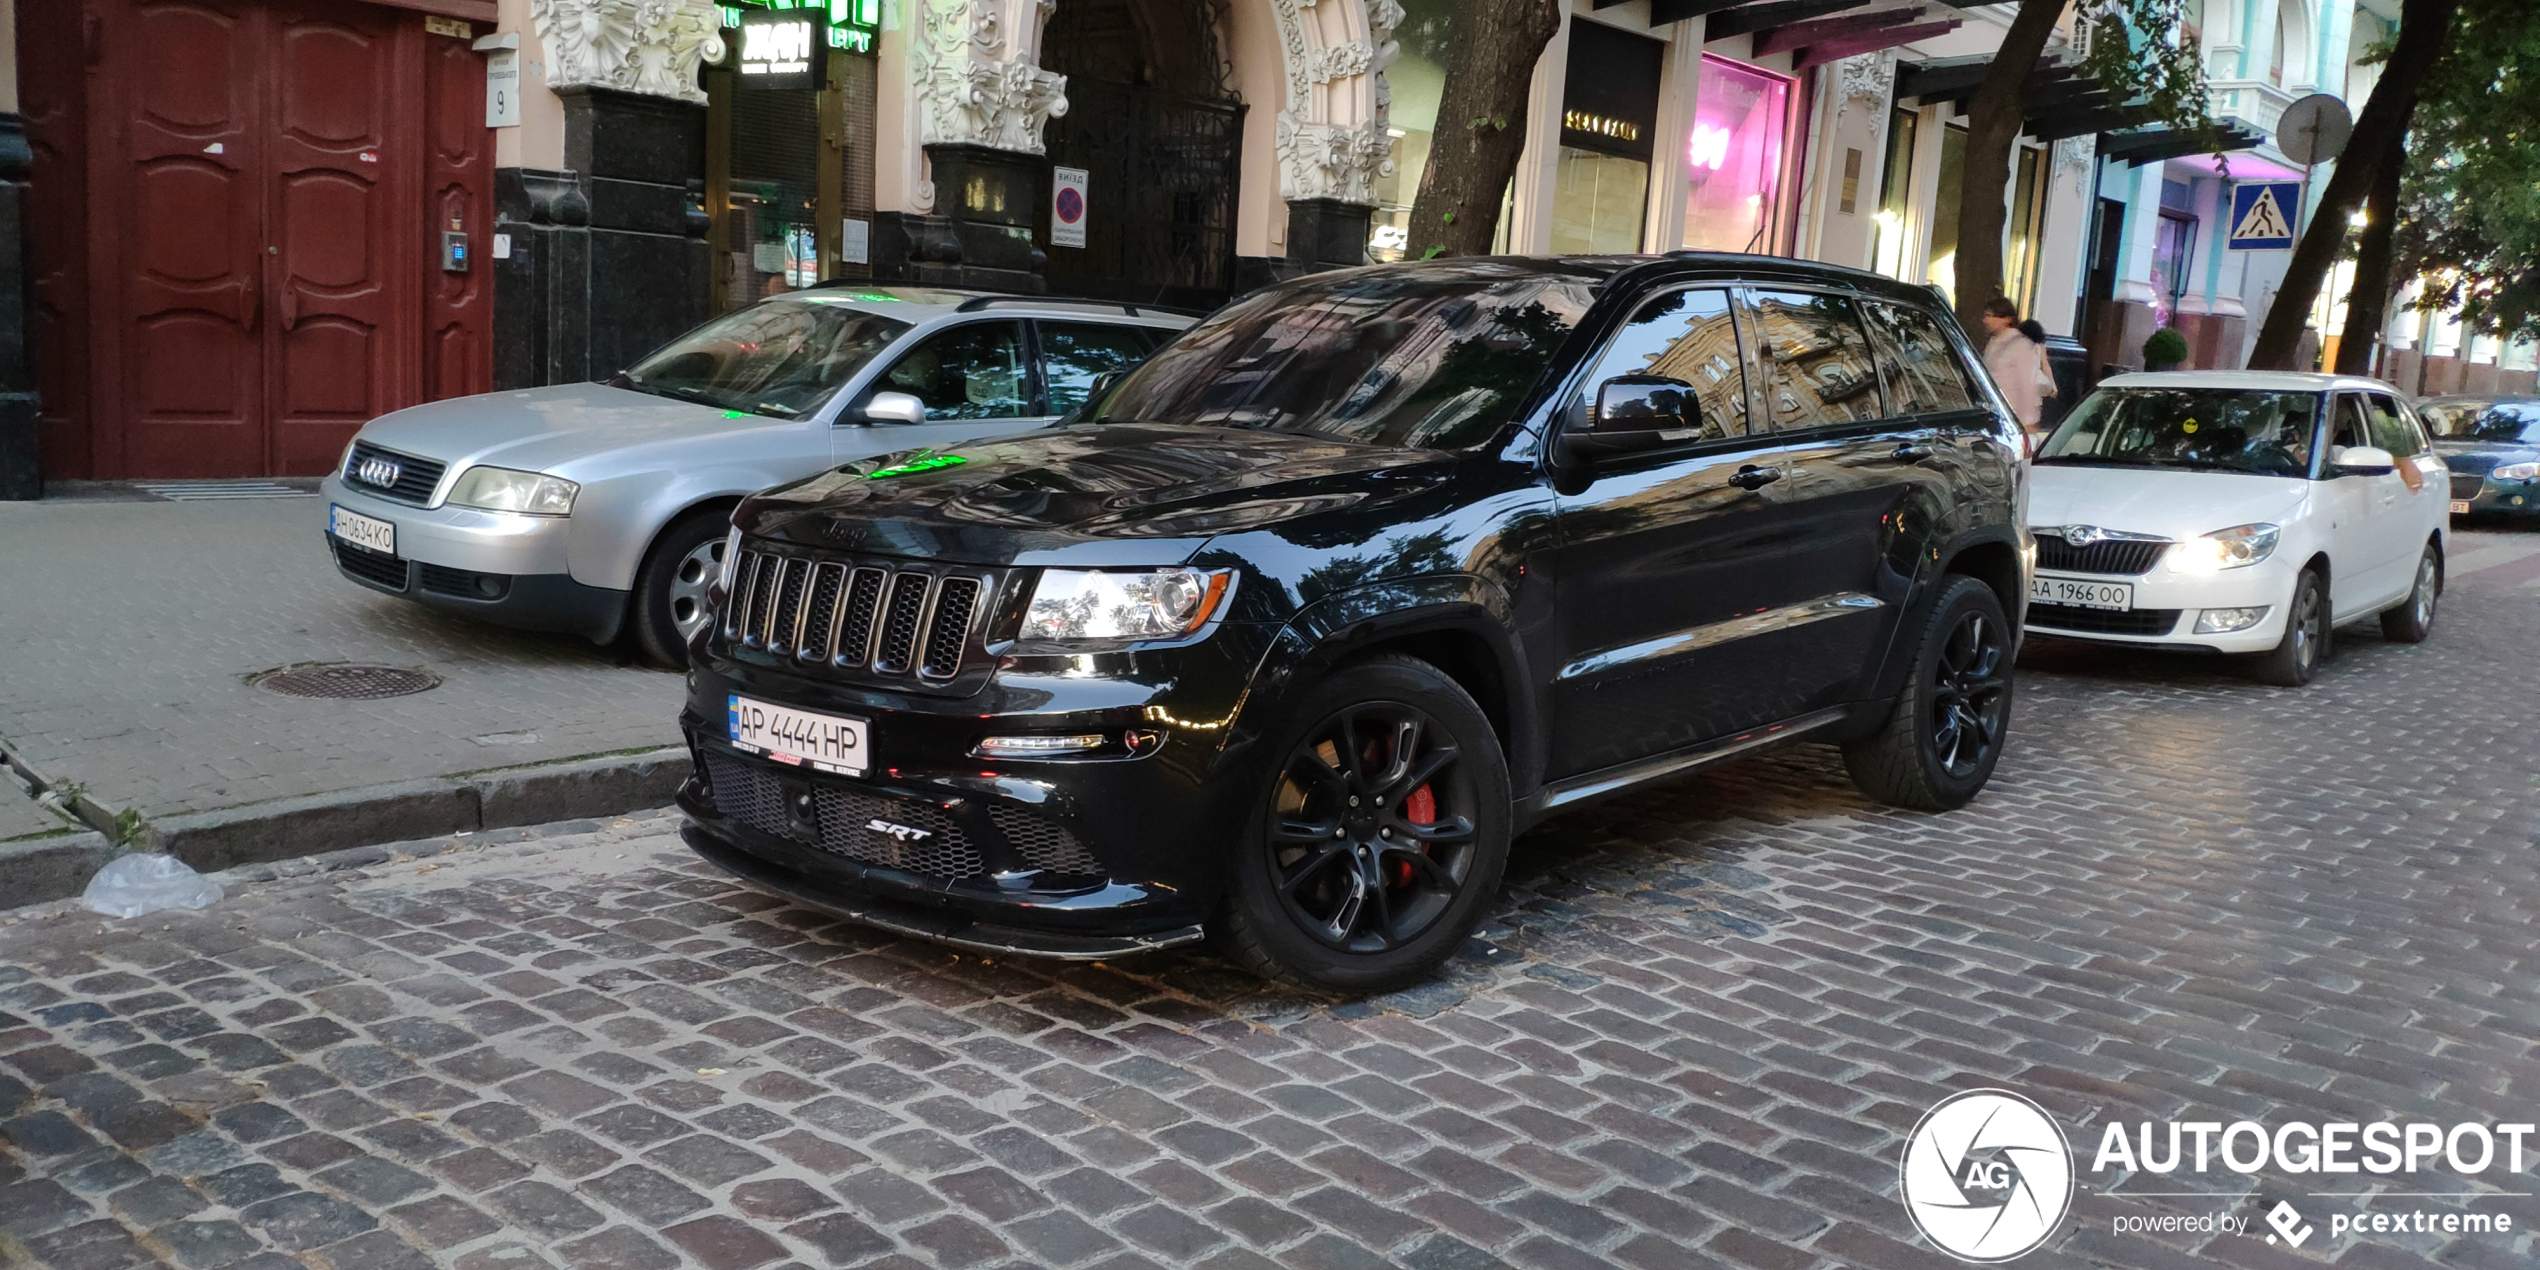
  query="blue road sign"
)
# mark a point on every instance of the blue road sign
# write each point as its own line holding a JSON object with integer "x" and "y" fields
{"x": 2262, "y": 214}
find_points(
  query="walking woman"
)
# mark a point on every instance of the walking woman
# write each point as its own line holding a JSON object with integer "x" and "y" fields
{"x": 2018, "y": 363}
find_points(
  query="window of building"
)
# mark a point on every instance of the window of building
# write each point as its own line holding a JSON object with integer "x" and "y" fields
{"x": 1733, "y": 155}
{"x": 1896, "y": 187}
{"x": 2288, "y": 28}
{"x": 2173, "y": 257}
{"x": 1815, "y": 360}
{"x": 1416, "y": 77}
{"x": 2027, "y": 226}
{"x": 1609, "y": 120}
{"x": 1943, "y": 270}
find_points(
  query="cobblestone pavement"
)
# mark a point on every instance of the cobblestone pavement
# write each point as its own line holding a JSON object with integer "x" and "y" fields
{"x": 1693, "y": 1034}
{"x": 136, "y": 623}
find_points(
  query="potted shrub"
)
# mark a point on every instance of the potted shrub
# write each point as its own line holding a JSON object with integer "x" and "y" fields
{"x": 2165, "y": 350}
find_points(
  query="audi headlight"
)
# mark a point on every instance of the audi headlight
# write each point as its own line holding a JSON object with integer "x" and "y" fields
{"x": 1089, "y": 605}
{"x": 2235, "y": 548}
{"x": 2517, "y": 472}
{"x": 500, "y": 489}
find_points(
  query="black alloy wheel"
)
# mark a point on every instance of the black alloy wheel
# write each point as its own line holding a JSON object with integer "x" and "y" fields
{"x": 1948, "y": 727}
{"x": 1370, "y": 832}
{"x": 1971, "y": 694}
{"x": 1378, "y": 837}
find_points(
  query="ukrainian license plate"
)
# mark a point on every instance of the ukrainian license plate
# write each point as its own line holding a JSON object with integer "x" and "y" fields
{"x": 829, "y": 742}
{"x": 2460, "y": 507}
{"x": 368, "y": 532}
{"x": 2081, "y": 593}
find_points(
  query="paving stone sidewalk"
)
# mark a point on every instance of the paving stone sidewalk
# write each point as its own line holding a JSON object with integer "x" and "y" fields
{"x": 135, "y": 623}
{"x": 1693, "y": 1033}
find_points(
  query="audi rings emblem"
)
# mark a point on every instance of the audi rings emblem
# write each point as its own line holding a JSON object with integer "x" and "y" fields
{"x": 380, "y": 472}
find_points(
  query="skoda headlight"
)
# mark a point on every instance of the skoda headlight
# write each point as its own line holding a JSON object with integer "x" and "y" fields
{"x": 500, "y": 489}
{"x": 2233, "y": 548}
{"x": 1089, "y": 605}
{"x": 2517, "y": 472}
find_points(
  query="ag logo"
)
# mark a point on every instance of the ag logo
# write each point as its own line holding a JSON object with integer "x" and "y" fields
{"x": 1987, "y": 1176}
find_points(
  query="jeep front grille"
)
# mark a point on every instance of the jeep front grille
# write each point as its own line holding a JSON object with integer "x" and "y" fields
{"x": 860, "y": 618}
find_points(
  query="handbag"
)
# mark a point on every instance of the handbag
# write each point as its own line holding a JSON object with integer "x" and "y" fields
{"x": 2045, "y": 376}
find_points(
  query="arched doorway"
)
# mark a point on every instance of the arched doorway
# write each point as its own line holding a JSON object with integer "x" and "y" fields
{"x": 1151, "y": 121}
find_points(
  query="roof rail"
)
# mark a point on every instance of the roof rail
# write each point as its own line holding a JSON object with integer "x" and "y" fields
{"x": 978, "y": 302}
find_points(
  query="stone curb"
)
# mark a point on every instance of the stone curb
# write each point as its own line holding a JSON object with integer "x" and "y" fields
{"x": 291, "y": 828}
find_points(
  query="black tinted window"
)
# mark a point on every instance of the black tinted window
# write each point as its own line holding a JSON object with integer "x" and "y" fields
{"x": 968, "y": 372}
{"x": 1814, "y": 358}
{"x": 2390, "y": 429}
{"x": 2507, "y": 422}
{"x": 1434, "y": 357}
{"x": 1689, "y": 337}
{"x": 1075, "y": 354}
{"x": 1917, "y": 364}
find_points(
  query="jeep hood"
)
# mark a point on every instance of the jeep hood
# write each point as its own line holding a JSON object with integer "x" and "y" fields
{"x": 1113, "y": 493}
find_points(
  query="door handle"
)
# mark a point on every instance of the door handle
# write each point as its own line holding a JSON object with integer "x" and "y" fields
{"x": 1754, "y": 477}
{"x": 1910, "y": 452}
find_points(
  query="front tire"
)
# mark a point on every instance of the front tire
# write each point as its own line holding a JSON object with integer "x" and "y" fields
{"x": 2413, "y": 619}
{"x": 1376, "y": 842}
{"x": 1946, "y": 731}
{"x": 2306, "y": 632}
{"x": 670, "y": 590}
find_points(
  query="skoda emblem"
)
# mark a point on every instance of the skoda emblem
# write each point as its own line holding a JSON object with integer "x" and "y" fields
{"x": 380, "y": 472}
{"x": 2084, "y": 535}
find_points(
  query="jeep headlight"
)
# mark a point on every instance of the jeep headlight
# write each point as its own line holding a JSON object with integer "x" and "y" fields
{"x": 500, "y": 489}
{"x": 2517, "y": 472}
{"x": 1088, "y": 605}
{"x": 2237, "y": 547}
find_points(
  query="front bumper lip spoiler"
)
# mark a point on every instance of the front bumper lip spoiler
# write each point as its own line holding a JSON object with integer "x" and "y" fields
{"x": 940, "y": 926}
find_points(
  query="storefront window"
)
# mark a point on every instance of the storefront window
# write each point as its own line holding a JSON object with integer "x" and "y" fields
{"x": 1415, "y": 78}
{"x": 1943, "y": 272}
{"x": 1896, "y": 188}
{"x": 1609, "y": 121}
{"x": 2028, "y": 215}
{"x": 1734, "y": 158}
{"x": 2173, "y": 254}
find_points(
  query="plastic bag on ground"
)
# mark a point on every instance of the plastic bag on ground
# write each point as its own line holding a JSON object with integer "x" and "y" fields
{"x": 132, "y": 885}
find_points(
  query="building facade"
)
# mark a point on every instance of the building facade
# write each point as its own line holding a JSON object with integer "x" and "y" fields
{"x": 250, "y": 225}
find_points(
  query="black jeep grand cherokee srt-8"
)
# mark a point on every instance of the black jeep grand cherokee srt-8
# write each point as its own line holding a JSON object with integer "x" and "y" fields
{"x": 1295, "y": 624}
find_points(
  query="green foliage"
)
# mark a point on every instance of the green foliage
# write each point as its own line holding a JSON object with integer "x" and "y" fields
{"x": 2165, "y": 347}
{"x": 2469, "y": 200}
{"x": 2141, "y": 53}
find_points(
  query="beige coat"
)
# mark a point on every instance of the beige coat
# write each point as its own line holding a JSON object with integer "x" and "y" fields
{"x": 2015, "y": 361}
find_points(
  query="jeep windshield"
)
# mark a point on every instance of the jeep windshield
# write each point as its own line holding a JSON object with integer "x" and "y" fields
{"x": 781, "y": 358}
{"x": 1435, "y": 358}
{"x": 2211, "y": 429}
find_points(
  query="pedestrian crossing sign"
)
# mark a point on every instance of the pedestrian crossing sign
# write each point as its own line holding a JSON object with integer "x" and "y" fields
{"x": 2262, "y": 215}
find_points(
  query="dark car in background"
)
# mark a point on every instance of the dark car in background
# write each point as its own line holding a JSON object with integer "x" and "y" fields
{"x": 2492, "y": 445}
{"x": 1286, "y": 634}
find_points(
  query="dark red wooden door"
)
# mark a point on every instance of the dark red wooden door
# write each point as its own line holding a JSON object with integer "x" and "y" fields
{"x": 191, "y": 341}
{"x": 288, "y": 168}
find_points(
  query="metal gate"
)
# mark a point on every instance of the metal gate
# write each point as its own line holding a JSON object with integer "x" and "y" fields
{"x": 1161, "y": 174}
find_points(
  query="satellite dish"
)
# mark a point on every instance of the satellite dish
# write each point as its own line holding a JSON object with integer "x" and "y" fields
{"x": 2314, "y": 129}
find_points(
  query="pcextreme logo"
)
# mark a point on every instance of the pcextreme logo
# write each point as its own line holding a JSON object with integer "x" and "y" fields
{"x": 1986, "y": 1176}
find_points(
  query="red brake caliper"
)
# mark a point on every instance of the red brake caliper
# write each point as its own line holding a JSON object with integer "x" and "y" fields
{"x": 1421, "y": 808}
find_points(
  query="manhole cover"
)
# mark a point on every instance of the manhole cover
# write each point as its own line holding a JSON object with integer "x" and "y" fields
{"x": 346, "y": 681}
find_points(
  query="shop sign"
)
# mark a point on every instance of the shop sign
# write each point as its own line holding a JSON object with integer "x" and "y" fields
{"x": 1067, "y": 207}
{"x": 782, "y": 49}
{"x": 1609, "y": 96}
{"x": 851, "y": 25}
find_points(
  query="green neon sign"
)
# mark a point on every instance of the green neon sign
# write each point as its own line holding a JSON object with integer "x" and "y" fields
{"x": 922, "y": 463}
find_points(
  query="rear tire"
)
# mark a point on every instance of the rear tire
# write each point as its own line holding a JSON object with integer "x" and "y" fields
{"x": 2413, "y": 619}
{"x": 1945, "y": 734}
{"x": 670, "y": 590}
{"x": 1376, "y": 843}
{"x": 2306, "y": 632}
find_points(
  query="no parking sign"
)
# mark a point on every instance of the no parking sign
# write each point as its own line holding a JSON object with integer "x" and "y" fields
{"x": 1067, "y": 207}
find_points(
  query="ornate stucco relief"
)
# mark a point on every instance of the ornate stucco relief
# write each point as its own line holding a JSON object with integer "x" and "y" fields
{"x": 977, "y": 81}
{"x": 637, "y": 46}
{"x": 1331, "y": 138}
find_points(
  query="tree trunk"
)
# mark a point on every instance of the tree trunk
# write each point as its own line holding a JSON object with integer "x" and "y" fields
{"x": 2424, "y": 27}
{"x": 1994, "y": 121}
{"x": 2368, "y": 301}
{"x": 1481, "y": 127}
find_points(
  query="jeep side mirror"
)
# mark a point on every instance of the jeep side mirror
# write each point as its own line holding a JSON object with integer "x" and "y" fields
{"x": 1638, "y": 412}
{"x": 2362, "y": 460}
{"x": 894, "y": 407}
